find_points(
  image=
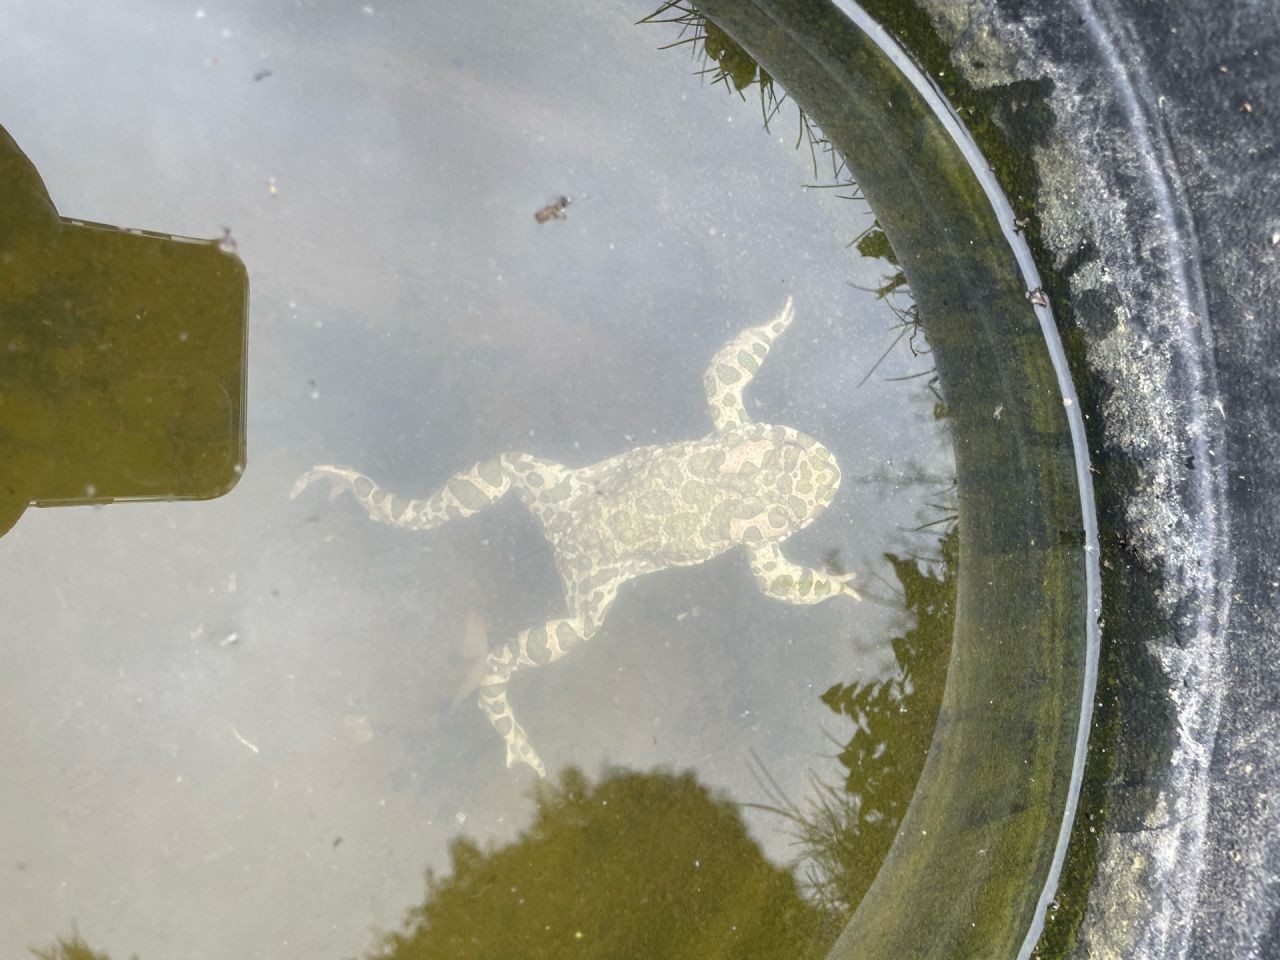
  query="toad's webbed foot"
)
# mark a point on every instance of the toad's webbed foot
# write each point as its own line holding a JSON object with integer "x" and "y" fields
{"x": 340, "y": 479}
{"x": 493, "y": 701}
{"x": 537, "y": 647}
{"x": 464, "y": 494}
{"x": 734, "y": 366}
{"x": 778, "y": 577}
{"x": 523, "y": 752}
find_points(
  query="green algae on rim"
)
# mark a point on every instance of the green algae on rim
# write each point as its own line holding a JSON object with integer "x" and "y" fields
{"x": 979, "y": 853}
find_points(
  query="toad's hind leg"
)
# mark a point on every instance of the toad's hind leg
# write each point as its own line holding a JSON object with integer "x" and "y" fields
{"x": 536, "y": 647}
{"x": 464, "y": 494}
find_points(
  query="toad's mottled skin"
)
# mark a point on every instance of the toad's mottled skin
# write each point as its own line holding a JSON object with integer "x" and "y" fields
{"x": 744, "y": 484}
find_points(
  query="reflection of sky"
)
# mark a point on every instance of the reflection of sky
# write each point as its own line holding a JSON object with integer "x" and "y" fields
{"x": 177, "y": 795}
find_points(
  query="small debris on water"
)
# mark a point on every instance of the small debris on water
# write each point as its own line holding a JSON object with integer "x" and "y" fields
{"x": 358, "y": 727}
{"x": 244, "y": 741}
{"x": 553, "y": 211}
{"x": 1038, "y": 297}
{"x": 260, "y": 75}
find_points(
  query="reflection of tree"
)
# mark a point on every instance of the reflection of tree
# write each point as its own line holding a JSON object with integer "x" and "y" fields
{"x": 639, "y": 864}
{"x": 845, "y": 831}
{"x": 650, "y": 865}
{"x": 654, "y": 865}
{"x": 73, "y": 948}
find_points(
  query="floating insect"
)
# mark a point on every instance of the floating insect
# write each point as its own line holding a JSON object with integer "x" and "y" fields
{"x": 552, "y": 211}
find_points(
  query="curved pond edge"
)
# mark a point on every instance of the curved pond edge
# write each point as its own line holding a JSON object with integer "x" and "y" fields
{"x": 985, "y": 175}
{"x": 974, "y": 867}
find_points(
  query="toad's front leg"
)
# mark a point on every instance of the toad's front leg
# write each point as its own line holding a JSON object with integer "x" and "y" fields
{"x": 778, "y": 577}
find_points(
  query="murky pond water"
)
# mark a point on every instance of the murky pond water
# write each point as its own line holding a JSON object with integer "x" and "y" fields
{"x": 247, "y": 727}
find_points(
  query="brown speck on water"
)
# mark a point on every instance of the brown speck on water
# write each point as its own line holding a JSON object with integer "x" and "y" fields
{"x": 260, "y": 75}
{"x": 552, "y": 211}
{"x": 1038, "y": 297}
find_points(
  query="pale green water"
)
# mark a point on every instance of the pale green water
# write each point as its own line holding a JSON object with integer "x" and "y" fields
{"x": 231, "y": 725}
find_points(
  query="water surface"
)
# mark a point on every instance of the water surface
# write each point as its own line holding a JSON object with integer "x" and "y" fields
{"x": 231, "y": 727}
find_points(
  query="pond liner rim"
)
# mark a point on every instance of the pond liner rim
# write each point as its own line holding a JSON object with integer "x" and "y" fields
{"x": 951, "y": 122}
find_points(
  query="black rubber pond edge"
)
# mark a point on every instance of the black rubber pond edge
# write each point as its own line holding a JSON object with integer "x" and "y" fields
{"x": 1139, "y": 142}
